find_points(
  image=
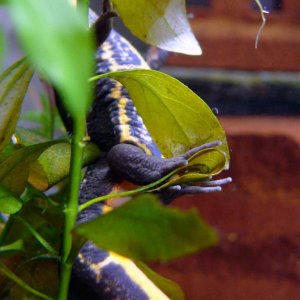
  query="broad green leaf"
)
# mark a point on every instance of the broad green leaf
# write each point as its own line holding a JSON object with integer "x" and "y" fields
{"x": 175, "y": 116}
{"x": 167, "y": 286}
{"x": 143, "y": 229}
{"x": 12, "y": 248}
{"x": 14, "y": 169}
{"x": 54, "y": 164}
{"x": 59, "y": 45}
{"x": 14, "y": 82}
{"x": 9, "y": 204}
{"x": 160, "y": 23}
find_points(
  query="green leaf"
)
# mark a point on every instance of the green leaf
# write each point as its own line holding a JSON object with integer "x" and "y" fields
{"x": 185, "y": 120}
{"x": 54, "y": 164}
{"x": 59, "y": 45}
{"x": 14, "y": 169}
{"x": 14, "y": 82}
{"x": 12, "y": 248}
{"x": 143, "y": 229}
{"x": 167, "y": 286}
{"x": 9, "y": 204}
{"x": 160, "y": 23}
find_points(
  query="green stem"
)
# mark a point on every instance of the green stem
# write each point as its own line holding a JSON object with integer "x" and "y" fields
{"x": 146, "y": 188}
{"x": 71, "y": 206}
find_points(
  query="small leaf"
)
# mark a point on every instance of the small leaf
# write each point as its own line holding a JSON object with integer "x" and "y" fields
{"x": 161, "y": 23}
{"x": 54, "y": 164}
{"x": 12, "y": 248}
{"x": 9, "y": 204}
{"x": 185, "y": 120}
{"x": 167, "y": 286}
{"x": 14, "y": 82}
{"x": 14, "y": 169}
{"x": 59, "y": 45}
{"x": 143, "y": 229}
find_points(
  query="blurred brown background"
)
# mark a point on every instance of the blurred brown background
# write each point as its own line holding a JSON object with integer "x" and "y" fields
{"x": 257, "y": 94}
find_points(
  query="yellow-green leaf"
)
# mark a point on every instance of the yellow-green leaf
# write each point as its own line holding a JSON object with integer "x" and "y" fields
{"x": 161, "y": 23}
{"x": 9, "y": 204}
{"x": 54, "y": 163}
{"x": 175, "y": 116}
{"x": 14, "y": 82}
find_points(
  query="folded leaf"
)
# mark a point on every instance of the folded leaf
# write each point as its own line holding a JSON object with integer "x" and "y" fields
{"x": 161, "y": 23}
{"x": 14, "y": 82}
{"x": 147, "y": 230}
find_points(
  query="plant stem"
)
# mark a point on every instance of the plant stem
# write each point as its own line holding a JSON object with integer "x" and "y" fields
{"x": 146, "y": 188}
{"x": 71, "y": 206}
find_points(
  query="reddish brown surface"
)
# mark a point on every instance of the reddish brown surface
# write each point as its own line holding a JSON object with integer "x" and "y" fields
{"x": 227, "y": 32}
{"x": 257, "y": 217}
